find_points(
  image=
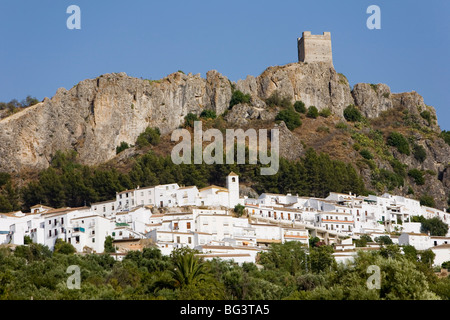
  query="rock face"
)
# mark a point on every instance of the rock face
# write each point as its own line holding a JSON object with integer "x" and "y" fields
{"x": 96, "y": 115}
{"x": 316, "y": 84}
{"x": 372, "y": 99}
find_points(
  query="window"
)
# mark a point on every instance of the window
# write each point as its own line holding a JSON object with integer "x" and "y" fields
{"x": 175, "y": 225}
{"x": 49, "y": 221}
{"x": 93, "y": 239}
{"x": 178, "y": 239}
{"x": 62, "y": 220}
{"x": 104, "y": 209}
{"x": 49, "y": 233}
{"x": 189, "y": 240}
{"x": 188, "y": 225}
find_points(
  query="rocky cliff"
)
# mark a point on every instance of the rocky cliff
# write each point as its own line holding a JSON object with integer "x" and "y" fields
{"x": 96, "y": 115}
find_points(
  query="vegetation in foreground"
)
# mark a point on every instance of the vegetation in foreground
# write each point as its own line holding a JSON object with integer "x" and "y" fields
{"x": 286, "y": 271}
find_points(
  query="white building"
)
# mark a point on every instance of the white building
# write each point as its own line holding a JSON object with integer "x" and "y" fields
{"x": 88, "y": 232}
{"x": 420, "y": 241}
{"x": 336, "y": 221}
{"x": 442, "y": 253}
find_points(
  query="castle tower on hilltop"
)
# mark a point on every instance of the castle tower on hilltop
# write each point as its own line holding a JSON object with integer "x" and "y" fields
{"x": 233, "y": 189}
{"x": 315, "y": 48}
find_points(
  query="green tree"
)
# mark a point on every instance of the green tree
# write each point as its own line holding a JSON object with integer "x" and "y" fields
{"x": 208, "y": 114}
{"x": 426, "y": 115}
{"x": 417, "y": 175}
{"x": 427, "y": 257}
{"x": 312, "y": 112}
{"x": 239, "y": 97}
{"x": 290, "y": 257}
{"x": 419, "y": 152}
{"x": 321, "y": 258}
{"x": 446, "y": 136}
{"x": 123, "y": 146}
{"x": 362, "y": 241}
{"x": 325, "y": 112}
{"x": 239, "y": 210}
{"x": 396, "y": 139}
{"x": 188, "y": 269}
{"x": 63, "y": 247}
{"x": 352, "y": 114}
{"x": 276, "y": 100}
{"x": 109, "y": 247}
{"x": 435, "y": 226}
{"x": 151, "y": 136}
{"x": 384, "y": 240}
{"x": 366, "y": 154}
{"x": 300, "y": 107}
{"x": 427, "y": 200}
{"x": 410, "y": 252}
{"x": 290, "y": 118}
{"x": 189, "y": 120}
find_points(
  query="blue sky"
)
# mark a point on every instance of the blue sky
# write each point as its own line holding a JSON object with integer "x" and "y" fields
{"x": 151, "y": 39}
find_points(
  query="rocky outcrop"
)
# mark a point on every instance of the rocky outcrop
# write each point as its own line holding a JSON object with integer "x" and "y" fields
{"x": 96, "y": 115}
{"x": 316, "y": 84}
{"x": 372, "y": 99}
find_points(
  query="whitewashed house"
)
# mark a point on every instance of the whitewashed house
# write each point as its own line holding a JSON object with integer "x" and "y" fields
{"x": 335, "y": 221}
{"x": 420, "y": 241}
{"x": 89, "y": 232}
{"x": 105, "y": 208}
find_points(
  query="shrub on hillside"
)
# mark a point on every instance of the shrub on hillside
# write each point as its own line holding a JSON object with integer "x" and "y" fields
{"x": 276, "y": 100}
{"x": 419, "y": 152}
{"x": 239, "y": 97}
{"x": 396, "y": 139}
{"x": 417, "y": 175}
{"x": 208, "y": 114}
{"x": 325, "y": 113}
{"x": 299, "y": 106}
{"x": 352, "y": 114}
{"x": 290, "y": 118}
{"x": 189, "y": 120}
{"x": 312, "y": 112}
{"x": 149, "y": 136}
{"x": 123, "y": 146}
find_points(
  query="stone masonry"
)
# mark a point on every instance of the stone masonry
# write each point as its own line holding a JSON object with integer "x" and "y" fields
{"x": 315, "y": 48}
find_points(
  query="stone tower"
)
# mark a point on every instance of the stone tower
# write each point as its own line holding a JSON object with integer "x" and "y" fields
{"x": 233, "y": 189}
{"x": 315, "y": 48}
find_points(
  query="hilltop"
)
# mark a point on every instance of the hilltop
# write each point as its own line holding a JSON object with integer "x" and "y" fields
{"x": 94, "y": 117}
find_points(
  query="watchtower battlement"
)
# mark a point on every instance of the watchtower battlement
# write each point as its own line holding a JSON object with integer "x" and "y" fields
{"x": 313, "y": 48}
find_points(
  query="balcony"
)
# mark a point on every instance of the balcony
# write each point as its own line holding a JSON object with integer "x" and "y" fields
{"x": 78, "y": 229}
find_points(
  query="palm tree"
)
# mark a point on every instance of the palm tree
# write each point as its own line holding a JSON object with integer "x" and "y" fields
{"x": 188, "y": 269}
